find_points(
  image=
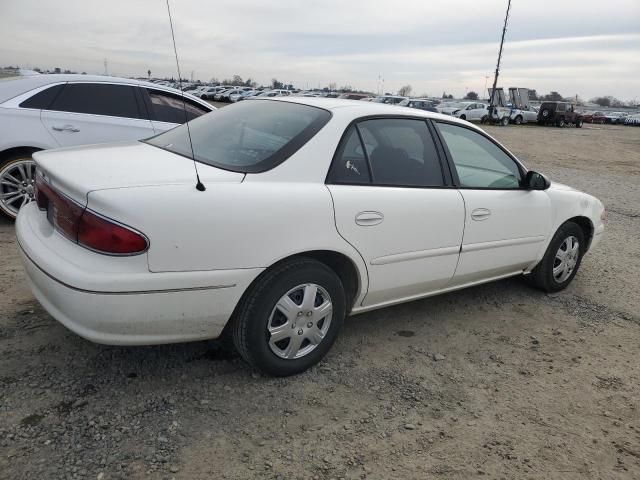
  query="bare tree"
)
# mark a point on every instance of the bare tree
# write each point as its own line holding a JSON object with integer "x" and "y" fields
{"x": 405, "y": 91}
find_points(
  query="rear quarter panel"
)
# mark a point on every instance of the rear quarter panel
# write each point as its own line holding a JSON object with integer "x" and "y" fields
{"x": 228, "y": 226}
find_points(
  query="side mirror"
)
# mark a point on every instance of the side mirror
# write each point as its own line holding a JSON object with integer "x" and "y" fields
{"x": 536, "y": 181}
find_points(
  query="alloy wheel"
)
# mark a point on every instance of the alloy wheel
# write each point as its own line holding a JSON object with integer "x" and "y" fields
{"x": 17, "y": 185}
{"x": 566, "y": 259}
{"x": 299, "y": 321}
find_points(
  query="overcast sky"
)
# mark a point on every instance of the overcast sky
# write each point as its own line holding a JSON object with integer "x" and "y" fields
{"x": 585, "y": 47}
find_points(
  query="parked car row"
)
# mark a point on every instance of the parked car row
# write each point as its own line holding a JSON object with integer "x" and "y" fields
{"x": 49, "y": 111}
{"x": 633, "y": 120}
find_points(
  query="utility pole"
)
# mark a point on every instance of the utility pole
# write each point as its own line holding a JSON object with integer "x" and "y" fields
{"x": 486, "y": 79}
{"x": 106, "y": 71}
{"x": 495, "y": 79}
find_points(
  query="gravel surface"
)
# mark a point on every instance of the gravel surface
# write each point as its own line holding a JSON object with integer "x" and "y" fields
{"x": 497, "y": 381}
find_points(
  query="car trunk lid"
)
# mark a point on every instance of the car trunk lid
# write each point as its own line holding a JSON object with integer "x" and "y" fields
{"x": 79, "y": 170}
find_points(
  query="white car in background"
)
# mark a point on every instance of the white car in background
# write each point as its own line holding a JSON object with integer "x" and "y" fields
{"x": 265, "y": 94}
{"x": 520, "y": 116}
{"x": 234, "y": 97}
{"x": 470, "y": 111}
{"x": 448, "y": 107}
{"x": 306, "y": 210}
{"x": 389, "y": 99}
{"x": 50, "y": 111}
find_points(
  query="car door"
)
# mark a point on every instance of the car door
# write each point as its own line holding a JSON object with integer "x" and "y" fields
{"x": 395, "y": 206}
{"x": 86, "y": 113}
{"x": 168, "y": 110}
{"x": 530, "y": 115}
{"x": 505, "y": 224}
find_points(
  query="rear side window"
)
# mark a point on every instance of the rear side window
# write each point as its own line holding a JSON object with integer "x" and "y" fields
{"x": 248, "y": 137}
{"x": 166, "y": 107}
{"x": 387, "y": 152}
{"x": 401, "y": 152}
{"x": 43, "y": 99}
{"x": 97, "y": 99}
{"x": 350, "y": 164}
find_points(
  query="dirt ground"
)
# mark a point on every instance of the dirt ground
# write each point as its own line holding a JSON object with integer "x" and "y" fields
{"x": 531, "y": 386}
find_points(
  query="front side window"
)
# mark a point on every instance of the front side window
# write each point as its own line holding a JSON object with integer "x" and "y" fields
{"x": 247, "y": 137}
{"x": 97, "y": 99}
{"x": 479, "y": 162}
{"x": 167, "y": 107}
{"x": 400, "y": 152}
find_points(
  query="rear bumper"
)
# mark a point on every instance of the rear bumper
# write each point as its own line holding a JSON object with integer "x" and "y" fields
{"x": 95, "y": 305}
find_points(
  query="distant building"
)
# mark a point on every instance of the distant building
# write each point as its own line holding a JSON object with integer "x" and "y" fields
{"x": 15, "y": 72}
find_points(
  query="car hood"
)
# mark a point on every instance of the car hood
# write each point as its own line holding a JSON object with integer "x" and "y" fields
{"x": 77, "y": 171}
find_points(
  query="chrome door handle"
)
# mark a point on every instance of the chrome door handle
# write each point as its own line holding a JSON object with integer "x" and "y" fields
{"x": 480, "y": 214}
{"x": 66, "y": 128}
{"x": 368, "y": 219}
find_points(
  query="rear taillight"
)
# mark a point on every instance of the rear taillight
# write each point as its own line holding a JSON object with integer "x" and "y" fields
{"x": 85, "y": 227}
{"x": 102, "y": 235}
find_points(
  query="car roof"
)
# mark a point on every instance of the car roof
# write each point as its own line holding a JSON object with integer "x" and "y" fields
{"x": 357, "y": 108}
{"x": 15, "y": 86}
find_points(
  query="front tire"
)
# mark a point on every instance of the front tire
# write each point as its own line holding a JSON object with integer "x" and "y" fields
{"x": 561, "y": 261}
{"x": 560, "y": 122}
{"x": 579, "y": 123}
{"x": 518, "y": 120}
{"x": 290, "y": 318}
{"x": 17, "y": 183}
{"x": 504, "y": 121}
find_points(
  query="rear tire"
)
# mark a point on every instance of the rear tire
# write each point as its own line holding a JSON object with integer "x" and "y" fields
{"x": 504, "y": 121}
{"x": 260, "y": 318}
{"x": 579, "y": 123}
{"x": 551, "y": 275}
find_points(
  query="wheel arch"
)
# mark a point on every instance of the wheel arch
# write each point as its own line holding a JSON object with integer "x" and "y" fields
{"x": 587, "y": 227}
{"x": 10, "y": 152}
{"x": 345, "y": 267}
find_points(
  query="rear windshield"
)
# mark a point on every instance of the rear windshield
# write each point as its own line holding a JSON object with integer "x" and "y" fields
{"x": 248, "y": 137}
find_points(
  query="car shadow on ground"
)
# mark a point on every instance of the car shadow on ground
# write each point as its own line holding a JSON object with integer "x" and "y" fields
{"x": 219, "y": 358}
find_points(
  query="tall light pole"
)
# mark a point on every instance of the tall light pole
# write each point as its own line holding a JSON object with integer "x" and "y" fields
{"x": 486, "y": 79}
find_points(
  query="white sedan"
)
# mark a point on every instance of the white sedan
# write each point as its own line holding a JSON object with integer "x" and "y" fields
{"x": 302, "y": 211}
{"x": 471, "y": 111}
{"x": 525, "y": 115}
{"x": 50, "y": 111}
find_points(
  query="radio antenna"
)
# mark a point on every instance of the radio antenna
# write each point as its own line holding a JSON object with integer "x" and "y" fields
{"x": 199, "y": 185}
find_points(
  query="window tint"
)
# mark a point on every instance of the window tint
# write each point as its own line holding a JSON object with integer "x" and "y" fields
{"x": 350, "y": 164}
{"x": 43, "y": 99}
{"x": 401, "y": 152}
{"x": 169, "y": 108}
{"x": 480, "y": 163}
{"x": 97, "y": 99}
{"x": 246, "y": 137}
